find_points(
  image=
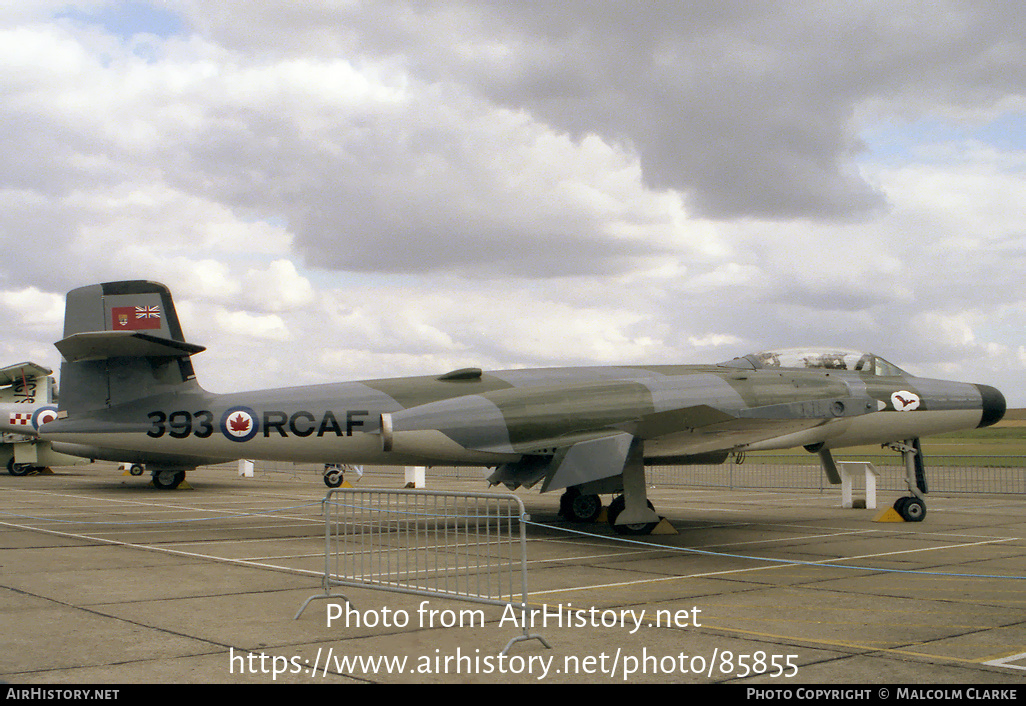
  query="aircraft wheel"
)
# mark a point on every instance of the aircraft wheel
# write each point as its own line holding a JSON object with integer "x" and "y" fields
{"x": 584, "y": 508}
{"x": 333, "y": 478}
{"x": 18, "y": 469}
{"x": 912, "y": 510}
{"x": 639, "y": 528}
{"x": 135, "y": 469}
{"x": 168, "y": 480}
{"x": 576, "y": 506}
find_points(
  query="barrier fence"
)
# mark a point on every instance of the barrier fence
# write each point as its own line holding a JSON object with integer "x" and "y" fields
{"x": 463, "y": 546}
{"x": 945, "y": 474}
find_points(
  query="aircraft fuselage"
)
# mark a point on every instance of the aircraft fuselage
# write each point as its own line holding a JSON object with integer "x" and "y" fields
{"x": 498, "y": 417}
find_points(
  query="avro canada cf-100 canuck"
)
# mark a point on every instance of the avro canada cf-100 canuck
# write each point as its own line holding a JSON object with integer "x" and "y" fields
{"x": 128, "y": 384}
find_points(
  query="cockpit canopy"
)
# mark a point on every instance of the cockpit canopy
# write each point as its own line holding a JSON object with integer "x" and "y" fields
{"x": 820, "y": 358}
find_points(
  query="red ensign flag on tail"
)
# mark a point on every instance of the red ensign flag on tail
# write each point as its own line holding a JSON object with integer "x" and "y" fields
{"x": 135, "y": 318}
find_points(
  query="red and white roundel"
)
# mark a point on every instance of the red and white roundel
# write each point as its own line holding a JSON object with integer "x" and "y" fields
{"x": 43, "y": 415}
{"x": 905, "y": 401}
{"x": 239, "y": 423}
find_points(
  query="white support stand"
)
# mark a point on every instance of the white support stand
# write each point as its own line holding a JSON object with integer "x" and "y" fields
{"x": 848, "y": 470}
{"x": 415, "y": 475}
{"x": 245, "y": 468}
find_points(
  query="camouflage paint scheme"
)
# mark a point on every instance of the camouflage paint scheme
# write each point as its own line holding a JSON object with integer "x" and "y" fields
{"x": 128, "y": 383}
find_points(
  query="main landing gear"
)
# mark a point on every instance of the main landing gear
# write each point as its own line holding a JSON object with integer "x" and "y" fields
{"x": 24, "y": 469}
{"x": 19, "y": 469}
{"x": 637, "y": 528}
{"x": 576, "y": 506}
{"x": 168, "y": 480}
{"x": 632, "y": 508}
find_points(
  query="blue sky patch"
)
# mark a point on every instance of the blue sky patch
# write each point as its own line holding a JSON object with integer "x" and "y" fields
{"x": 127, "y": 19}
{"x": 889, "y": 141}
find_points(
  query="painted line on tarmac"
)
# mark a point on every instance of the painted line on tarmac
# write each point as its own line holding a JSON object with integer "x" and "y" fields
{"x": 166, "y": 550}
{"x": 778, "y": 563}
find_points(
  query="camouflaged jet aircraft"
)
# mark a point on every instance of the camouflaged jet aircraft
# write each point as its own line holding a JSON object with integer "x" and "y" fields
{"x": 128, "y": 383}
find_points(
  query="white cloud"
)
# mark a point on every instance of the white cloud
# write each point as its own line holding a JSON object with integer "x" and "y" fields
{"x": 279, "y": 287}
{"x": 717, "y": 340}
{"x": 399, "y": 187}
{"x": 41, "y": 311}
{"x": 243, "y": 325}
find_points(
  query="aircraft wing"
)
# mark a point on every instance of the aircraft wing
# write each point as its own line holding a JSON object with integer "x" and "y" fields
{"x": 16, "y": 373}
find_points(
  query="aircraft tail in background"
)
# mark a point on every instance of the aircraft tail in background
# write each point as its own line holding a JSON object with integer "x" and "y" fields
{"x": 26, "y": 383}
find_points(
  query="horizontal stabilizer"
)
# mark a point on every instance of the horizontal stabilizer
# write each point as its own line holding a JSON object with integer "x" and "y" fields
{"x": 100, "y": 345}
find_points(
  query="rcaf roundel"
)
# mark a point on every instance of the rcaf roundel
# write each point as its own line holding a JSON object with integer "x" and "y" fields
{"x": 239, "y": 423}
{"x": 43, "y": 415}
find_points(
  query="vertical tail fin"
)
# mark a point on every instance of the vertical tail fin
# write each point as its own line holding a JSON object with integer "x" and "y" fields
{"x": 122, "y": 342}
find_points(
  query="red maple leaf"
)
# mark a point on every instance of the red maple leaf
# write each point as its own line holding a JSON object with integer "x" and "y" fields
{"x": 239, "y": 423}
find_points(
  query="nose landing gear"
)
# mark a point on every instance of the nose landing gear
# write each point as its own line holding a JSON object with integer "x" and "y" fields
{"x": 912, "y": 508}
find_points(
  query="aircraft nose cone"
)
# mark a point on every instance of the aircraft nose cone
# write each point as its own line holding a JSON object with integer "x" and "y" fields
{"x": 993, "y": 405}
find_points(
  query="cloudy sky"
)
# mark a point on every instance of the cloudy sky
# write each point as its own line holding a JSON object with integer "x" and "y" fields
{"x": 341, "y": 190}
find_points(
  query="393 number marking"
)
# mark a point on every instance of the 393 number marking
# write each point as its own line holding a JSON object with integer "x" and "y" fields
{"x": 181, "y": 424}
{"x": 243, "y": 424}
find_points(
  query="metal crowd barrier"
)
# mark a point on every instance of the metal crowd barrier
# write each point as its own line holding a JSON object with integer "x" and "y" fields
{"x": 462, "y": 546}
{"x": 945, "y": 473}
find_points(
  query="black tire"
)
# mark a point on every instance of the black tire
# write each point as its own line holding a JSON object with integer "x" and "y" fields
{"x": 913, "y": 510}
{"x": 18, "y": 469}
{"x": 168, "y": 480}
{"x": 136, "y": 469}
{"x": 583, "y": 508}
{"x": 641, "y": 528}
{"x": 333, "y": 478}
